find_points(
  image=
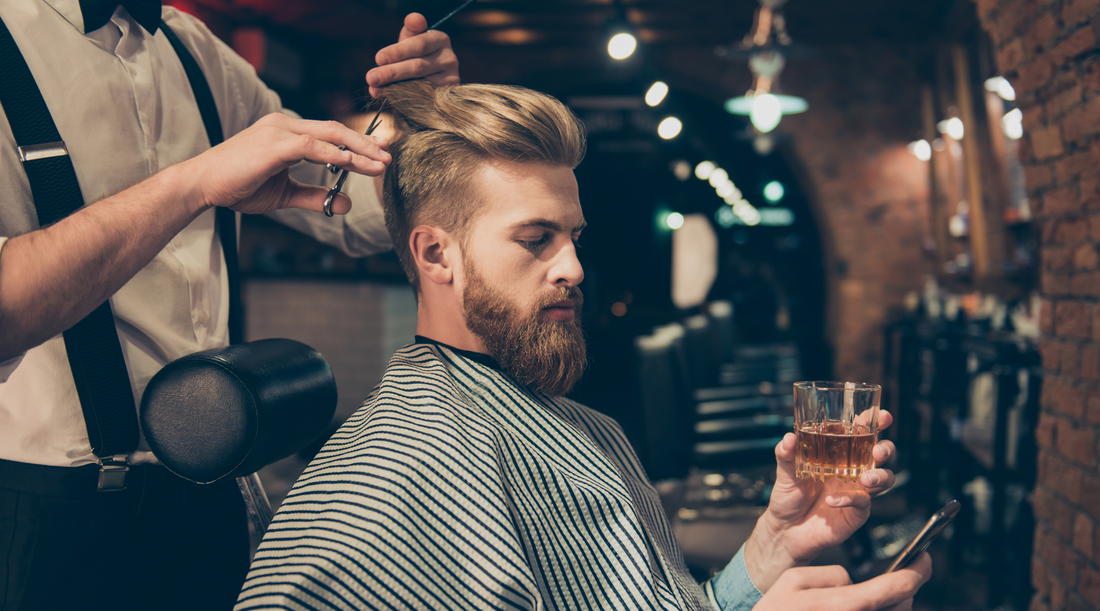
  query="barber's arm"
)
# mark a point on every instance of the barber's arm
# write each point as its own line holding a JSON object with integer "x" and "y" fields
{"x": 53, "y": 277}
{"x": 419, "y": 53}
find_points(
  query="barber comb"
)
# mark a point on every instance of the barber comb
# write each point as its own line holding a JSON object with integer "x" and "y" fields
{"x": 335, "y": 190}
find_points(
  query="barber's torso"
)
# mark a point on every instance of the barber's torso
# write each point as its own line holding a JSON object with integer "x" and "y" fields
{"x": 122, "y": 103}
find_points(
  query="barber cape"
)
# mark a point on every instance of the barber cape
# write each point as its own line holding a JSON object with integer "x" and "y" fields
{"x": 454, "y": 487}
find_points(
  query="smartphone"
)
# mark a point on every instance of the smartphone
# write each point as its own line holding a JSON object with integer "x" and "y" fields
{"x": 924, "y": 538}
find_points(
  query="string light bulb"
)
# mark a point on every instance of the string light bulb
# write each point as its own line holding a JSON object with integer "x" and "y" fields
{"x": 621, "y": 45}
{"x": 656, "y": 94}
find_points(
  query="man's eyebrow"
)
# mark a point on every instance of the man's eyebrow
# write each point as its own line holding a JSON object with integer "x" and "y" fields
{"x": 547, "y": 224}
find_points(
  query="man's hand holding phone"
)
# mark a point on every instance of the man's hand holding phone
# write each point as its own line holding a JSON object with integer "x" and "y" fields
{"x": 830, "y": 587}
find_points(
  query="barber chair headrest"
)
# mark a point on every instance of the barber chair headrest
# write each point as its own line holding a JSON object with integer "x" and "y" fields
{"x": 228, "y": 412}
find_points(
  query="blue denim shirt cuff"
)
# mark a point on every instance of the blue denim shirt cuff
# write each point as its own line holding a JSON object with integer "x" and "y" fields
{"x": 733, "y": 589}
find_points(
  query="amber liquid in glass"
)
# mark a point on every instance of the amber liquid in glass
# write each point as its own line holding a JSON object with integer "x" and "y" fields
{"x": 834, "y": 449}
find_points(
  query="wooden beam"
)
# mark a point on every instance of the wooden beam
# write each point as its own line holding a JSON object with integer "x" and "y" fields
{"x": 979, "y": 246}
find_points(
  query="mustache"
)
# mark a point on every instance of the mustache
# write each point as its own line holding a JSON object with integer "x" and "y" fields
{"x": 561, "y": 294}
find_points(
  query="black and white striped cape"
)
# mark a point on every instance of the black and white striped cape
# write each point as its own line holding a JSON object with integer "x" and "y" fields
{"x": 453, "y": 487}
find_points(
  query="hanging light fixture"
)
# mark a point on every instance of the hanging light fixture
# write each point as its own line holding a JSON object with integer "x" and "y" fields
{"x": 763, "y": 104}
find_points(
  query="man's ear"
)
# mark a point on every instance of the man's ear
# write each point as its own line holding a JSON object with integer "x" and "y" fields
{"x": 429, "y": 249}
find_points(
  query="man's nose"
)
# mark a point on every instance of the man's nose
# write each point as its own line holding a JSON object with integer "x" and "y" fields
{"x": 567, "y": 270}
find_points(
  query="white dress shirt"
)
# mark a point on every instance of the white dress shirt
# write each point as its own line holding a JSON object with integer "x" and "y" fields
{"x": 123, "y": 105}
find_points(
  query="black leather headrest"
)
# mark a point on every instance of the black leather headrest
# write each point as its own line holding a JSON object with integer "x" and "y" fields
{"x": 230, "y": 411}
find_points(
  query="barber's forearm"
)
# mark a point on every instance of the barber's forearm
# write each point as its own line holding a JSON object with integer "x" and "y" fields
{"x": 53, "y": 277}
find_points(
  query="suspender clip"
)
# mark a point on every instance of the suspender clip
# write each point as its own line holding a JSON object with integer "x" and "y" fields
{"x": 43, "y": 151}
{"x": 112, "y": 473}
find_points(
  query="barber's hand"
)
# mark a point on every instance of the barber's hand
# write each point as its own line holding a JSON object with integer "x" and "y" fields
{"x": 417, "y": 54}
{"x": 829, "y": 587}
{"x": 805, "y": 517}
{"x": 248, "y": 172}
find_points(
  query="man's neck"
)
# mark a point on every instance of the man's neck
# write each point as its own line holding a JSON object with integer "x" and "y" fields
{"x": 447, "y": 326}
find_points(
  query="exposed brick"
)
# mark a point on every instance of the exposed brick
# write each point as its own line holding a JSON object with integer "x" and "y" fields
{"x": 1034, "y": 116}
{"x": 1057, "y": 594}
{"x": 1036, "y": 176}
{"x": 1046, "y": 317}
{"x": 1046, "y": 142}
{"x": 1090, "y": 193}
{"x": 1047, "y": 547}
{"x": 1008, "y": 56}
{"x": 1057, "y": 258}
{"x": 1096, "y": 322}
{"x": 1061, "y": 201}
{"x": 1064, "y": 100}
{"x": 1046, "y": 434}
{"x": 1077, "y": 443}
{"x": 1039, "y": 33}
{"x": 1074, "y": 602}
{"x": 1062, "y": 519}
{"x": 1090, "y": 71}
{"x": 1086, "y": 257}
{"x": 1071, "y": 319}
{"x": 1012, "y": 15}
{"x": 1084, "y": 536}
{"x": 1070, "y": 363}
{"x": 1069, "y": 565}
{"x": 1077, "y": 43}
{"x": 984, "y": 6}
{"x": 1040, "y": 578}
{"x": 1072, "y": 230}
{"x": 1034, "y": 75}
{"x": 1056, "y": 284}
{"x": 1090, "y": 362}
{"x": 1088, "y": 586}
{"x": 1090, "y": 495}
{"x": 1037, "y": 605}
{"x": 1063, "y": 397}
{"x": 1094, "y": 227}
{"x": 1071, "y": 167}
{"x": 1082, "y": 122}
{"x": 1093, "y": 407}
{"x": 1076, "y": 11}
{"x": 1086, "y": 283}
{"x": 1066, "y": 481}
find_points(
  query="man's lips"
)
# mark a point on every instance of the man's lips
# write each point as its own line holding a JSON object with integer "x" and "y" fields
{"x": 564, "y": 310}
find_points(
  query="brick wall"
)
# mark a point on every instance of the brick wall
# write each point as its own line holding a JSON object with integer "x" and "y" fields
{"x": 1049, "y": 51}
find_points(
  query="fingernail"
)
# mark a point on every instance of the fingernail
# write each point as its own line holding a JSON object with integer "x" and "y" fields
{"x": 873, "y": 478}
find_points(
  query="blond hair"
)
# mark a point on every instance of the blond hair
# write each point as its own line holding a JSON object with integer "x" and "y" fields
{"x": 447, "y": 133}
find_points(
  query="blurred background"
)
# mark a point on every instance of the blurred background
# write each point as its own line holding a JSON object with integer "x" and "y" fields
{"x": 901, "y": 193}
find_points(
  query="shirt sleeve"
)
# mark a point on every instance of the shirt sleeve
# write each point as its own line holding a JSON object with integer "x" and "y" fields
{"x": 8, "y": 366}
{"x": 733, "y": 589}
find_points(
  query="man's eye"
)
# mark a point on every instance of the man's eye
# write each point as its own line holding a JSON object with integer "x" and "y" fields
{"x": 534, "y": 244}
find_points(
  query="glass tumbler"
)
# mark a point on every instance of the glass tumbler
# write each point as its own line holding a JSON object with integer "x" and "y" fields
{"x": 837, "y": 426}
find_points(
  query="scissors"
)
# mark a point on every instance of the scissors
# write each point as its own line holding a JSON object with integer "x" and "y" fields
{"x": 335, "y": 190}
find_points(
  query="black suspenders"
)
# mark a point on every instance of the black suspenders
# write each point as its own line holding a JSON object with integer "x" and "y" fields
{"x": 95, "y": 355}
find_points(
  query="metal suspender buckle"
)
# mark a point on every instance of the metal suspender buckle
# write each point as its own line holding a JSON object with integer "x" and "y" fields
{"x": 43, "y": 151}
{"x": 112, "y": 473}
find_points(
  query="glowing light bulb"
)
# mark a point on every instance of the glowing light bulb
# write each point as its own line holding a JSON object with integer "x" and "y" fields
{"x": 1013, "y": 124}
{"x": 656, "y": 94}
{"x": 1000, "y": 86}
{"x": 621, "y": 46}
{"x": 774, "y": 191}
{"x": 921, "y": 149}
{"x": 704, "y": 169}
{"x": 766, "y": 112}
{"x": 725, "y": 189}
{"x": 669, "y": 128}
{"x": 675, "y": 220}
{"x": 717, "y": 177}
{"x": 952, "y": 127}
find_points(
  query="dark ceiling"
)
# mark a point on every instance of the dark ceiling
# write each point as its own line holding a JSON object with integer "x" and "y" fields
{"x": 570, "y": 22}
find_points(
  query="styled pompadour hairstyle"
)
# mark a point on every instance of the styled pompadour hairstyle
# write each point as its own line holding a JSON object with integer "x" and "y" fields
{"x": 447, "y": 133}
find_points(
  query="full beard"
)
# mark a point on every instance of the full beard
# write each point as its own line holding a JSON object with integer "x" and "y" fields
{"x": 545, "y": 355}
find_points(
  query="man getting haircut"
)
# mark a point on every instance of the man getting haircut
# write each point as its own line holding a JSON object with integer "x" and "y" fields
{"x": 467, "y": 480}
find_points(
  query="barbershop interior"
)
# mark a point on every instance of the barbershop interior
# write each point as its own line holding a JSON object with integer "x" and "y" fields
{"x": 902, "y": 196}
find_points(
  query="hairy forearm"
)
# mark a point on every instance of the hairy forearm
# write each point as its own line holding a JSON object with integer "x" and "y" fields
{"x": 53, "y": 277}
{"x": 767, "y": 554}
